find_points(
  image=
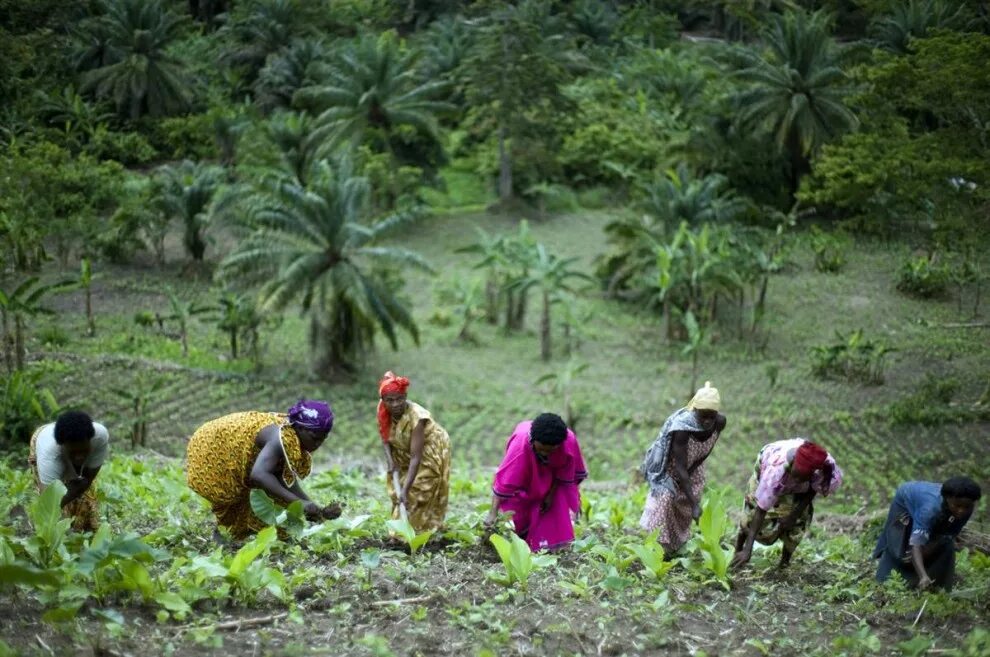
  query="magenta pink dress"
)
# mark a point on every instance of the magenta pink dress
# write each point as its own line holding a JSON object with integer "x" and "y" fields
{"x": 522, "y": 481}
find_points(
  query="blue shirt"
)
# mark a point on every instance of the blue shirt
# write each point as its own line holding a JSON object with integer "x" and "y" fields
{"x": 922, "y": 501}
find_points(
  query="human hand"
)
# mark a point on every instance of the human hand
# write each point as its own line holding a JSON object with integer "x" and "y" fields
{"x": 490, "y": 520}
{"x": 312, "y": 510}
{"x": 331, "y": 511}
{"x": 925, "y": 583}
{"x": 404, "y": 498}
{"x": 741, "y": 558}
{"x": 696, "y": 512}
{"x": 77, "y": 482}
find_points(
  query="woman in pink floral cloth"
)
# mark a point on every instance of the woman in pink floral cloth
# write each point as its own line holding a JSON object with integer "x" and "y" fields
{"x": 779, "y": 505}
{"x": 674, "y": 467}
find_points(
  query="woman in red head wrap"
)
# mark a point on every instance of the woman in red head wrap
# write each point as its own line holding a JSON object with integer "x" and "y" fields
{"x": 419, "y": 450}
{"x": 788, "y": 476}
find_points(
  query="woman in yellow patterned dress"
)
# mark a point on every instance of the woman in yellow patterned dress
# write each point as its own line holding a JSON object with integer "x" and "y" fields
{"x": 229, "y": 456}
{"x": 417, "y": 446}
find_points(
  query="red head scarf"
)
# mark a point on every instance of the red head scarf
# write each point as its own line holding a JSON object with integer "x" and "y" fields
{"x": 809, "y": 457}
{"x": 389, "y": 385}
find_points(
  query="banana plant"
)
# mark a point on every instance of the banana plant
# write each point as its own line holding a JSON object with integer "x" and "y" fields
{"x": 18, "y": 304}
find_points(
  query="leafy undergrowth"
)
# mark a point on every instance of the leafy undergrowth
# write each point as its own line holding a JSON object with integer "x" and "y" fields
{"x": 151, "y": 582}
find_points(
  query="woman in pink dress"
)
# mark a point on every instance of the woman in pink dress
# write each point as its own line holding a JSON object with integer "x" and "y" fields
{"x": 538, "y": 482}
{"x": 674, "y": 468}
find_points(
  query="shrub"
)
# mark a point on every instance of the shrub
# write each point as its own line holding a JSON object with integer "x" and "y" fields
{"x": 851, "y": 357}
{"x": 931, "y": 405}
{"x": 829, "y": 251}
{"x": 921, "y": 276}
{"x": 128, "y": 148}
{"x": 186, "y": 137}
{"x": 23, "y": 405}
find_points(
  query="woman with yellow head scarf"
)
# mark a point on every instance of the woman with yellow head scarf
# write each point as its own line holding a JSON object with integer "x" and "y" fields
{"x": 674, "y": 467}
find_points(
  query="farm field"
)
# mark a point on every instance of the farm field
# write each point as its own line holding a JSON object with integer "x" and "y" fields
{"x": 344, "y": 587}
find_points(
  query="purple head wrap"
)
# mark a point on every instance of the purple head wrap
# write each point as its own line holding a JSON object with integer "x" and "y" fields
{"x": 312, "y": 414}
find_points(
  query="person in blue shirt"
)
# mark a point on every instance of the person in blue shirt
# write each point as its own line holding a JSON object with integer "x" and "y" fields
{"x": 919, "y": 537}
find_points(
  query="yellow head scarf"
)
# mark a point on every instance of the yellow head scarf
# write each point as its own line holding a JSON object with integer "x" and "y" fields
{"x": 706, "y": 399}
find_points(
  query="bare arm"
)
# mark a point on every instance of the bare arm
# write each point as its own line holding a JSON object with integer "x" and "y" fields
{"x": 742, "y": 556}
{"x": 493, "y": 512}
{"x": 415, "y": 457}
{"x": 266, "y": 473}
{"x": 918, "y": 561}
{"x": 389, "y": 463}
{"x": 79, "y": 484}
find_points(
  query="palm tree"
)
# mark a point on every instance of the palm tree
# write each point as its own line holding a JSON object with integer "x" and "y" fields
{"x": 86, "y": 278}
{"x": 316, "y": 245}
{"x": 139, "y": 396}
{"x": 492, "y": 250}
{"x": 132, "y": 67}
{"x": 915, "y": 19}
{"x": 259, "y": 28}
{"x": 183, "y": 310}
{"x": 186, "y": 192}
{"x": 289, "y": 146}
{"x": 19, "y": 303}
{"x": 373, "y": 85}
{"x": 70, "y": 112}
{"x": 679, "y": 196}
{"x": 798, "y": 88}
{"x": 239, "y": 317}
{"x": 446, "y": 45}
{"x": 550, "y": 275}
{"x": 286, "y": 72}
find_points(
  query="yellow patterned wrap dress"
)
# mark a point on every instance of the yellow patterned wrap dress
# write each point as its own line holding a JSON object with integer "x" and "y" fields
{"x": 428, "y": 494}
{"x": 84, "y": 510}
{"x": 220, "y": 456}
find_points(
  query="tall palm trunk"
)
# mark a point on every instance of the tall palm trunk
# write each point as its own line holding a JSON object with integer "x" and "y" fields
{"x": 798, "y": 162}
{"x": 491, "y": 301}
{"x": 8, "y": 344}
{"x": 504, "y": 157}
{"x": 510, "y": 306}
{"x": 519, "y": 315}
{"x": 90, "y": 322}
{"x": 545, "y": 328}
{"x": 233, "y": 342}
{"x": 504, "y": 167}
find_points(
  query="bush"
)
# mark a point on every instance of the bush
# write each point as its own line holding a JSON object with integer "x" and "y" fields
{"x": 186, "y": 137}
{"x": 929, "y": 406}
{"x": 829, "y": 251}
{"x": 921, "y": 276}
{"x": 24, "y": 404}
{"x": 851, "y": 357}
{"x": 128, "y": 148}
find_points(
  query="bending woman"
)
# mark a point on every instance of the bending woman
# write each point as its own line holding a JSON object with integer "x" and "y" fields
{"x": 780, "y": 502}
{"x": 419, "y": 449}
{"x": 538, "y": 482}
{"x": 229, "y": 456}
{"x": 674, "y": 468}
{"x": 71, "y": 450}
